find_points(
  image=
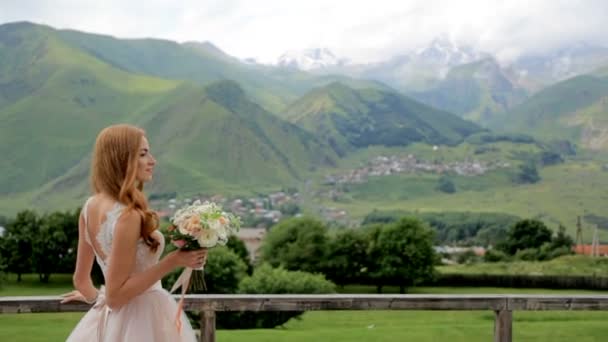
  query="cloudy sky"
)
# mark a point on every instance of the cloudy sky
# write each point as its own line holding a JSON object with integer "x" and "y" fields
{"x": 361, "y": 30}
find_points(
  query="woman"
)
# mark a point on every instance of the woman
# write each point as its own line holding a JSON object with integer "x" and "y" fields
{"x": 119, "y": 230}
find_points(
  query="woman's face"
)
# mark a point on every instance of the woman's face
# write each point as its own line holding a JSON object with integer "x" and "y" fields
{"x": 145, "y": 162}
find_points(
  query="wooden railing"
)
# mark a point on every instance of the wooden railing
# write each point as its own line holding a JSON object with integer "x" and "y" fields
{"x": 502, "y": 305}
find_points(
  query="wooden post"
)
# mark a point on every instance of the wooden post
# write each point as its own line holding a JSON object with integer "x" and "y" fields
{"x": 503, "y": 326}
{"x": 208, "y": 326}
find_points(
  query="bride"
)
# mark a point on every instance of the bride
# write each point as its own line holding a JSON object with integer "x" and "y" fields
{"x": 119, "y": 230}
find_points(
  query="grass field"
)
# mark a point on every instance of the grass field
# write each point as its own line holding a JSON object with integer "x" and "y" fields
{"x": 31, "y": 286}
{"x": 342, "y": 326}
{"x": 565, "y": 192}
{"x": 566, "y": 265}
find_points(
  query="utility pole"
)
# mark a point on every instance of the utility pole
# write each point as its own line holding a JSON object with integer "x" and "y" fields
{"x": 579, "y": 232}
{"x": 595, "y": 245}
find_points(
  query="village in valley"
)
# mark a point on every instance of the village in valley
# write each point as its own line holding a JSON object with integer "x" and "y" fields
{"x": 257, "y": 213}
{"x": 260, "y": 212}
{"x": 390, "y": 165}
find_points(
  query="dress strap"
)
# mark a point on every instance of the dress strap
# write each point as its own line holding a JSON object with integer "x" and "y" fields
{"x": 87, "y": 238}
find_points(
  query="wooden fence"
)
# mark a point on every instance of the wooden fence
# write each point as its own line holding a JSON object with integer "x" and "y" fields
{"x": 502, "y": 305}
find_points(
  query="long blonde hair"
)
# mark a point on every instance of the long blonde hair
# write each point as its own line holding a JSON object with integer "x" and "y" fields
{"x": 114, "y": 171}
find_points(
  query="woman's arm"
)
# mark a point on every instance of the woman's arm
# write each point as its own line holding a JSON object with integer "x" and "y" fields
{"x": 121, "y": 284}
{"x": 85, "y": 291}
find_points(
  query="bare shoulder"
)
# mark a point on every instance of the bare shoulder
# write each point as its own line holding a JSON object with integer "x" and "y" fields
{"x": 98, "y": 203}
{"x": 128, "y": 224}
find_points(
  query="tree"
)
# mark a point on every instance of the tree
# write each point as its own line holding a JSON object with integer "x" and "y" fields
{"x": 55, "y": 245}
{"x": 289, "y": 209}
{"x": 528, "y": 174}
{"x": 404, "y": 252}
{"x": 296, "y": 244}
{"x": 525, "y": 234}
{"x": 346, "y": 256}
{"x": 446, "y": 185}
{"x": 451, "y": 227}
{"x": 16, "y": 247}
{"x": 550, "y": 158}
{"x": 561, "y": 239}
{"x": 239, "y": 248}
{"x": 372, "y": 269}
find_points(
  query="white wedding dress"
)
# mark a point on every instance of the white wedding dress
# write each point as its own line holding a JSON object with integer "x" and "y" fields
{"x": 149, "y": 317}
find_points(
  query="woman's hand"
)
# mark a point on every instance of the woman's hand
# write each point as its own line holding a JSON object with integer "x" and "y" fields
{"x": 192, "y": 259}
{"x": 75, "y": 296}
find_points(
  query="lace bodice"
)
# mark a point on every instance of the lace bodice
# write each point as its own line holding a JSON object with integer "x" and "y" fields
{"x": 145, "y": 258}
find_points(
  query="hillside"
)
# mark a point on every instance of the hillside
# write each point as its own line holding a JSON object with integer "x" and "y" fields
{"x": 57, "y": 98}
{"x": 202, "y": 63}
{"x": 227, "y": 142}
{"x": 389, "y": 179}
{"x": 477, "y": 91}
{"x": 575, "y": 109}
{"x": 348, "y": 119}
{"x": 55, "y": 101}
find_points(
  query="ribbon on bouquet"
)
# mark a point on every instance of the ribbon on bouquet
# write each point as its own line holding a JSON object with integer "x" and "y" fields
{"x": 184, "y": 281}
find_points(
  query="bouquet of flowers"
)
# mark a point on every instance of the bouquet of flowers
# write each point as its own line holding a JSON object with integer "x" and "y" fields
{"x": 196, "y": 226}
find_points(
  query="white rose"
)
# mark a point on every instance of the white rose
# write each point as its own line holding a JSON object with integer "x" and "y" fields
{"x": 220, "y": 229}
{"x": 208, "y": 238}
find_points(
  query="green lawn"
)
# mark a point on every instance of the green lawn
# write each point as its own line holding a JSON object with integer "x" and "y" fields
{"x": 429, "y": 326}
{"x": 360, "y": 325}
{"x": 337, "y": 326}
{"x": 31, "y": 286}
{"x": 566, "y": 265}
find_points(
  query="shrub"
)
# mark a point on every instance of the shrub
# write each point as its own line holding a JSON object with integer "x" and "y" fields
{"x": 223, "y": 273}
{"x": 494, "y": 255}
{"x": 528, "y": 254}
{"x": 446, "y": 185}
{"x": 268, "y": 280}
{"x": 467, "y": 257}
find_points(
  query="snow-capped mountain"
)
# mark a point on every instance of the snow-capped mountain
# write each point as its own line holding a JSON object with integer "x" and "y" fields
{"x": 565, "y": 62}
{"x": 251, "y": 61}
{"x": 433, "y": 60}
{"x": 443, "y": 52}
{"x": 310, "y": 59}
{"x": 420, "y": 69}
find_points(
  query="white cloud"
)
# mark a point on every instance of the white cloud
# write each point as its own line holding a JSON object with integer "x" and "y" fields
{"x": 362, "y": 30}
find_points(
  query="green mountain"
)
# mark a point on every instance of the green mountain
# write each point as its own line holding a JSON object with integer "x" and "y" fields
{"x": 226, "y": 141}
{"x": 347, "y": 119}
{"x": 574, "y": 109}
{"x": 54, "y": 101}
{"x": 202, "y": 63}
{"x": 477, "y": 91}
{"x": 215, "y": 139}
{"x": 55, "y": 98}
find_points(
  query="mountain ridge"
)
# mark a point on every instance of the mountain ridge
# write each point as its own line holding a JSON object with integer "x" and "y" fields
{"x": 348, "y": 119}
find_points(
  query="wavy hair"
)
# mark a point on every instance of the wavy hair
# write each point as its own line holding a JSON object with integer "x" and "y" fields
{"x": 114, "y": 171}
